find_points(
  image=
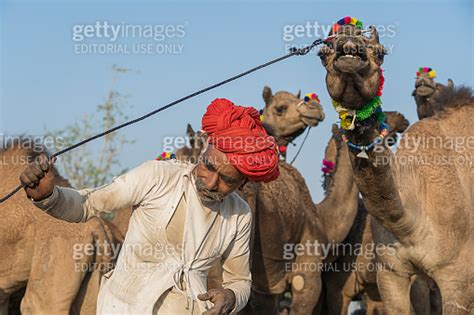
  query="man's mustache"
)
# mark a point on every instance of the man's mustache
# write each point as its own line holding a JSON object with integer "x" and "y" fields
{"x": 201, "y": 187}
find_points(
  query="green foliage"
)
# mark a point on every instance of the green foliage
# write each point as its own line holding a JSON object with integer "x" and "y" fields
{"x": 93, "y": 165}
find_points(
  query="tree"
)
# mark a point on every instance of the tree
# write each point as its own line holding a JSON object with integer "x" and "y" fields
{"x": 92, "y": 166}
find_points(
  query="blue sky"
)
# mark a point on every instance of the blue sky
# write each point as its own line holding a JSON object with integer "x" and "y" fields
{"x": 45, "y": 83}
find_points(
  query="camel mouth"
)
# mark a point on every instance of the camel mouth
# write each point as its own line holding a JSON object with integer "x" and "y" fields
{"x": 350, "y": 63}
{"x": 311, "y": 120}
{"x": 351, "y": 56}
{"x": 424, "y": 90}
{"x": 293, "y": 131}
{"x": 311, "y": 114}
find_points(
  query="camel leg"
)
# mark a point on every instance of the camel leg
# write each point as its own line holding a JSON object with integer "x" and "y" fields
{"x": 261, "y": 303}
{"x": 435, "y": 300}
{"x": 341, "y": 288}
{"x": 420, "y": 297}
{"x": 4, "y": 298}
{"x": 306, "y": 285}
{"x": 395, "y": 292}
{"x": 455, "y": 299}
{"x": 372, "y": 297}
{"x": 373, "y": 307}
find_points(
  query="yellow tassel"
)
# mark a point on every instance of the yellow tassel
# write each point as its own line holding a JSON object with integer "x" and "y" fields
{"x": 345, "y": 123}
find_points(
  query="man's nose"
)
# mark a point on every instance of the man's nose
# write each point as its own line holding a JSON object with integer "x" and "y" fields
{"x": 212, "y": 181}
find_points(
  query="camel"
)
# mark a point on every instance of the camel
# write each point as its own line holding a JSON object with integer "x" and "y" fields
{"x": 426, "y": 90}
{"x": 59, "y": 263}
{"x": 425, "y": 208}
{"x": 344, "y": 284}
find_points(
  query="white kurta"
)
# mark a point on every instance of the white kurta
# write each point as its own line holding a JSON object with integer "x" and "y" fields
{"x": 149, "y": 265}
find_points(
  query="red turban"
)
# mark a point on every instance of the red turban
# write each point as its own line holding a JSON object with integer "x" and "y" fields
{"x": 238, "y": 132}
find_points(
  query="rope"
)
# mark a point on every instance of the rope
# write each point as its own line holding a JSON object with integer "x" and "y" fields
{"x": 293, "y": 51}
{"x": 301, "y": 146}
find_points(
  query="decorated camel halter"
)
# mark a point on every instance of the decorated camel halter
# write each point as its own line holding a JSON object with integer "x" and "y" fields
{"x": 350, "y": 116}
{"x": 347, "y": 21}
{"x": 430, "y": 72}
{"x": 383, "y": 132}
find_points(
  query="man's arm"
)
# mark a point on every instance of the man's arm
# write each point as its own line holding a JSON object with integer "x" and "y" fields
{"x": 124, "y": 191}
{"x": 236, "y": 270}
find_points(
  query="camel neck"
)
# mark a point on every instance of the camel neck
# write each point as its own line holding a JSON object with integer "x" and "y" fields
{"x": 339, "y": 208}
{"x": 376, "y": 182}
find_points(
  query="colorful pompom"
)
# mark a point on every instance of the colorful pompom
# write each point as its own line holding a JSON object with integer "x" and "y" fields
{"x": 311, "y": 96}
{"x": 166, "y": 156}
{"x": 347, "y": 21}
{"x": 282, "y": 149}
{"x": 345, "y": 123}
{"x": 381, "y": 83}
{"x": 431, "y": 73}
{"x": 329, "y": 164}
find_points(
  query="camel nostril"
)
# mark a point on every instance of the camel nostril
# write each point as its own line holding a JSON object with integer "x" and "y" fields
{"x": 350, "y": 47}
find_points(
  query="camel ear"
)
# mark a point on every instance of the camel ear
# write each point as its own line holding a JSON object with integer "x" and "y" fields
{"x": 190, "y": 131}
{"x": 267, "y": 95}
{"x": 335, "y": 129}
{"x": 298, "y": 95}
{"x": 413, "y": 93}
{"x": 374, "y": 35}
{"x": 191, "y": 134}
{"x": 450, "y": 84}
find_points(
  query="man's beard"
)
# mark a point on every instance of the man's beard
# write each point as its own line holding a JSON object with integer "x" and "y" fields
{"x": 205, "y": 194}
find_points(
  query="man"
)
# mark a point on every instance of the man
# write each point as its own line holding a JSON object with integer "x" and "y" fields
{"x": 185, "y": 217}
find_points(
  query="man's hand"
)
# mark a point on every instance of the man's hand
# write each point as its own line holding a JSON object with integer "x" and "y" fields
{"x": 223, "y": 300}
{"x": 38, "y": 178}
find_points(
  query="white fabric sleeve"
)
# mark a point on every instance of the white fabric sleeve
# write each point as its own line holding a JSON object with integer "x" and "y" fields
{"x": 236, "y": 271}
{"x": 126, "y": 190}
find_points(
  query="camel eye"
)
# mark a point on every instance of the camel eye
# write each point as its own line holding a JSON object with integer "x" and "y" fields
{"x": 280, "y": 109}
{"x": 381, "y": 52}
{"x": 322, "y": 55}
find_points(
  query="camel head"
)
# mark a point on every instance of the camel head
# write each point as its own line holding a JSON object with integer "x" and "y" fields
{"x": 397, "y": 124}
{"x": 353, "y": 63}
{"x": 286, "y": 116}
{"x": 426, "y": 90}
{"x": 196, "y": 144}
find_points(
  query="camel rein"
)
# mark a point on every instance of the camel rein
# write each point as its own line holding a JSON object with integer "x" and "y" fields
{"x": 293, "y": 52}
